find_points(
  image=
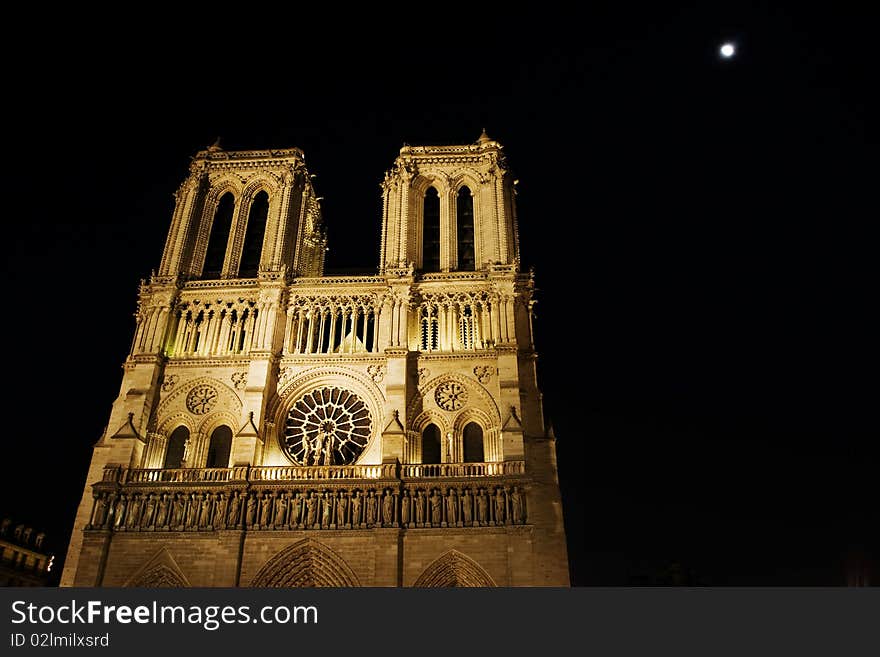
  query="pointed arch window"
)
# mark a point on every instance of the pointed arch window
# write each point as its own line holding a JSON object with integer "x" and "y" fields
{"x": 431, "y": 444}
{"x": 253, "y": 239}
{"x": 465, "y": 229}
{"x": 473, "y": 443}
{"x": 431, "y": 231}
{"x": 176, "y": 448}
{"x": 216, "y": 252}
{"x": 219, "y": 448}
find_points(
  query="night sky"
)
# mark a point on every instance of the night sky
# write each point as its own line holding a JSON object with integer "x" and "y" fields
{"x": 700, "y": 231}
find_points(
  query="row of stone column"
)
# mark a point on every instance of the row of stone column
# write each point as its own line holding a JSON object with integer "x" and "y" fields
{"x": 214, "y": 331}
{"x": 319, "y": 329}
{"x": 314, "y": 509}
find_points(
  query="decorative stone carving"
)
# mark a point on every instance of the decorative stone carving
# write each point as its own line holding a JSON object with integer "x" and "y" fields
{"x": 201, "y": 399}
{"x": 451, "y": 395}
{"x": 376, "y": 372}
{"x": 168, "y": 382}
{"x": 328, "y": 426}
{"x": 299, "y": 506}
{"x": 239, "y": 380}
{"x": 424, "y": 373}
{"x": 483, "y": 373}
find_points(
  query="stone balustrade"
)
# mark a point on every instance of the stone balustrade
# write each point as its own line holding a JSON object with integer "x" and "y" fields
{"x": 495, "y": 469}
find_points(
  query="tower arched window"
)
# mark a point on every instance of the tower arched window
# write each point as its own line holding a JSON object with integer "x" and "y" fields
{"x": 219, "y": 448}
{"x": 473, "y": 443}
{"x": 176, "y": 448}
{"x": 431, "y": 444}
{"x": 253, "y": 238}
{"x": 429, "y": 329}
{"x": 465, "y": 229}
{"x": 431, "y": 231}
{"x": 216, "y": 251}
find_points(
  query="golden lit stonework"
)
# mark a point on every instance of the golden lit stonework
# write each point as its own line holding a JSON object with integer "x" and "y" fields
{"x": 279, "y": 427}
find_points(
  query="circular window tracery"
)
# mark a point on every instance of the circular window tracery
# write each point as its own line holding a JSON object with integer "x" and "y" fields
{"x": 451, "y": 396}
{"x": 201, "y": 399}
{"x": 327, "y": 426}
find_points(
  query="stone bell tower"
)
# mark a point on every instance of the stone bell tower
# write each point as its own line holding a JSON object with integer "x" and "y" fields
{"x": 278, "y": 427}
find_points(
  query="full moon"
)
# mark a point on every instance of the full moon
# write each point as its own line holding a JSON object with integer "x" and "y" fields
{"x": 727, "y": 50}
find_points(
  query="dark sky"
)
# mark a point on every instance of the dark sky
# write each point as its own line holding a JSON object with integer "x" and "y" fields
{"x": 700, "y": 231}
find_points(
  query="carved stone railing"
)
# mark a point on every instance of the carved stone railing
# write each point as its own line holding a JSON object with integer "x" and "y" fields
{"x": 181, "y": 475}
{"x": 495, "y": 469}
{"x": 311, "y": 473}
{"x": 317, "y": 497}
{"x": 282, "y": 473}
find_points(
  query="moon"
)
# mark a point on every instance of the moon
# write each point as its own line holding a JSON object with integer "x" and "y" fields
{"x": 727, "y": 50}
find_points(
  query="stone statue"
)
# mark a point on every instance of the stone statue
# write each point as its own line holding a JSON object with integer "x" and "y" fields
{"x": 317, "y": 449}
{"x": 38, "y": 540}
{"x": 404, "y": 508}
{"x": 162, "y": 512}
{"x": 220, "y": 511}
{"x": 192, "y": 512}
{"x": 451, "y": 507}
{"x": 420, "y": 508}
{"x": 265, "y": 506}
{"x": 134, "y": 512}
{"x": 119, "y": 511}
{"x": 100, "y": 512}
{"x": 436, "y": 509}
{"x": 467, "y": 508}
{"x": 341, "y": 507}
{"x": 296, "y": 510}
{"x": 482, "y": 507}
{"x": 306, "y": 449}
{"x": 281, "y": 511}
{"x": 387, "y": 509}
{"x": 251, "y": 511}
{"x": 17, "y": 532}
{"x": 205, "y": 511}
{"x": 26, "y": 535}
{"x": 179, "y": 506}
{"x": 234, "y": 504}
{"x": 499, "y": 507}
{"x": 328, "y": 451}
{"x": 372, "y": 507}
{"x": 327, "y": 513}
{"x": 311, "y": 511}
{"x": 356, "y": 509}
{"x": 149, "y": 510}
{"x": 516, "y": 504}
{"x": 4, "y": 526}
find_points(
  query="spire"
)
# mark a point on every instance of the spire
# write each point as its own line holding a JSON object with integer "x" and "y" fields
{"x": 484, "y": 138}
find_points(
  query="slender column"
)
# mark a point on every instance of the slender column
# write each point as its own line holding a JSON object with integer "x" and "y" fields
{"x": 225, "y": 328}
{"x": 321, "y": 330}
{"x": 376, "y": 329}
{"x": 251, "y": 336}
{"x": 366, "y": 315}
{"x": 333, "y": 313}
{"x": 311, "y": 330}
{"x": 288, "y": 331}
{"x": 300, "y": 326}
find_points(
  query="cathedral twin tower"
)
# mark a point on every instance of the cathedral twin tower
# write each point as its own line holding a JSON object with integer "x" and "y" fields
{"x": 279, "y": 427}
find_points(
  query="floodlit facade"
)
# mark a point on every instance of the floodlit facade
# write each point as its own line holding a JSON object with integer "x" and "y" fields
{"x": 279, "y": 427}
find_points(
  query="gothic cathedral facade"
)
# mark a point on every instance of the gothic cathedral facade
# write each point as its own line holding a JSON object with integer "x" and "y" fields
{"x": 279, "y": 427}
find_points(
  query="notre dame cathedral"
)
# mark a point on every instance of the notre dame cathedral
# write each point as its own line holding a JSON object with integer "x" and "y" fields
{"x": 278, "y": 427}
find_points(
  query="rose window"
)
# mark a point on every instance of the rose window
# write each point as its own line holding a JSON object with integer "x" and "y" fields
{"x": 201, "y": 399}
{"x": 328, "y": 426}
{"x": 451, "y": 396}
